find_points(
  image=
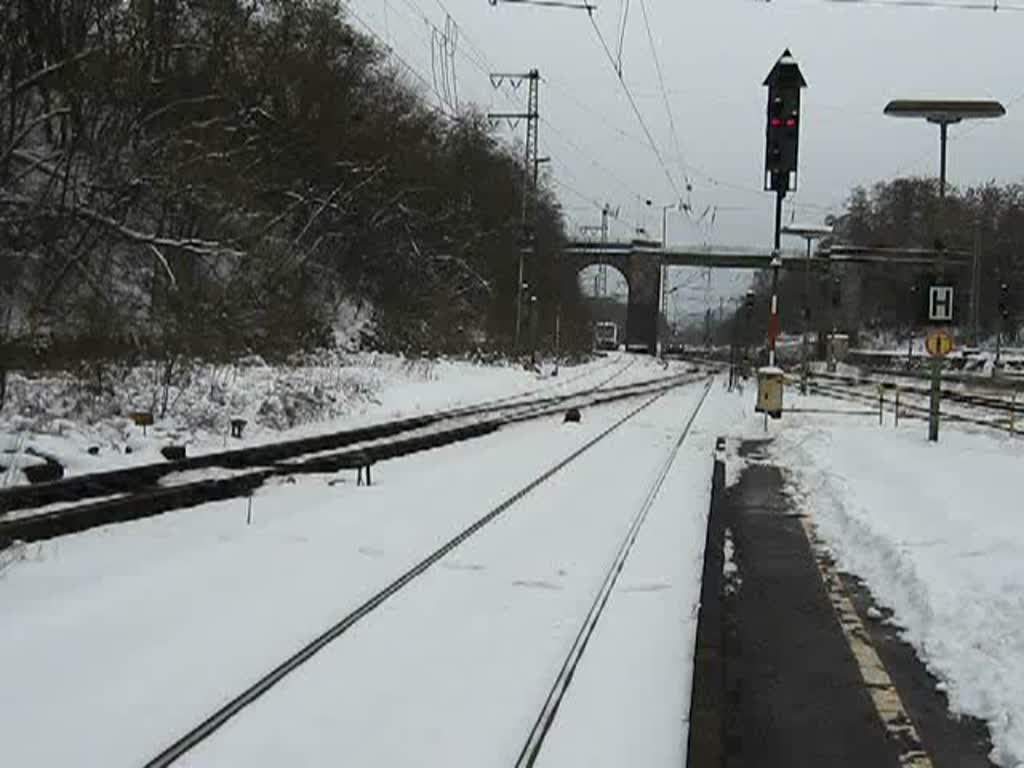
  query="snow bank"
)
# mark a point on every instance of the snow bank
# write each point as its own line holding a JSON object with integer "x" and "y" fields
{"x": 937, "y": 532}
{"x": 62, "y": 416}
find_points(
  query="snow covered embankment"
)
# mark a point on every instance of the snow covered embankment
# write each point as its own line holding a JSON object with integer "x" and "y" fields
{"x": 63, "y": 417}
{"x": 937, "y": 532}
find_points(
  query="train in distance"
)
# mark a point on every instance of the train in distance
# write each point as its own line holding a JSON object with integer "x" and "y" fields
{"x": 606, "y": 335}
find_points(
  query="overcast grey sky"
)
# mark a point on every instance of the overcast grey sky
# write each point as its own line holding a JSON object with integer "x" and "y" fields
{"x": 715, "y": 55}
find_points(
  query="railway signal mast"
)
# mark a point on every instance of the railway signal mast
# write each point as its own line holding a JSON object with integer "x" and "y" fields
{"x": 782, "y": 144}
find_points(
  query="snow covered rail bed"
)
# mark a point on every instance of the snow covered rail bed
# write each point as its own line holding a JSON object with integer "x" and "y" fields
{"x": 549, "y": 711}
{"x": 553, "y": 479}
{"x": 967, "y": 413}
{"x": 969, "y": 396}
{"x": 132, "y": 479}
{"x": 388, "y": 442}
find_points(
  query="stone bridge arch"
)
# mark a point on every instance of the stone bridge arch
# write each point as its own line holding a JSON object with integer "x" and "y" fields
{"x": 643, "y": 276}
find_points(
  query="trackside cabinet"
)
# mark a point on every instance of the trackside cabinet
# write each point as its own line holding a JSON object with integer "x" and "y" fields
{"x": 769, "y": 391}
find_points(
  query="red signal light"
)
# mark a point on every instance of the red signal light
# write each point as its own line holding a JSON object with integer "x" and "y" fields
{"x": 776, "y": 122}
{"x": 791, "y": 122}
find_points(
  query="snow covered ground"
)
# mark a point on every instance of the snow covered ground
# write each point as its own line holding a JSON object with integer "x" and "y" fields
{"x": 937, "y": 532}
{"x": 126, "y": 636}
{"x": 59, "y": 417}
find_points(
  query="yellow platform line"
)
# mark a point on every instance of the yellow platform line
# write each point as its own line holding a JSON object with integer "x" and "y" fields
{"x": 886, "y": 698}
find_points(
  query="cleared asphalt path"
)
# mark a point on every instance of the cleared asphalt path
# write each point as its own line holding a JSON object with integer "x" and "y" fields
{"x": 793, "y": 672}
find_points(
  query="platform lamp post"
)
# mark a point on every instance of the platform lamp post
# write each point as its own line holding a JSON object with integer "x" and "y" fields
{"x": 810, "y": 233}
{"x": 943, "y": 113}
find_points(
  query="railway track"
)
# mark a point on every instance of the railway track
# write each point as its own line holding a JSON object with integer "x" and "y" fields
{"x": 1009, "y": 408}
{"x": 852, "y": 393}
{"x": 549, "y": 710}
{"x": 134, "y": 494}
{"x": 130, "y": 479}
{"x": 897, "y": 365}
{"x": 974, "y": 399}
{"x": 214, "y": 721}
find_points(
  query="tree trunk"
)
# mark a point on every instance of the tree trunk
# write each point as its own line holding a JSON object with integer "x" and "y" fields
{"x": 168, "y": 373}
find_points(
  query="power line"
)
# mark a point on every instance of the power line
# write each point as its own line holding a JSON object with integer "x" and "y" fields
{"x": 594, "y": 112}
{"x": 661, "y": 84}
{"x": 991, "y": 7}
{"x": 592, "y": 202}
{"x": 478, "y": 59}
{"x": 623, "y": 19}
{"x": 636, "y": 110}
{"x": 398, "y": 57}
{"x": 480, "y": 62}
{"x": 579, "y": 6}
{"x": 586, "y": 155}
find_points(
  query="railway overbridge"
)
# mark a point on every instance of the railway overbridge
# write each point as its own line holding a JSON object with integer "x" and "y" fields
{"x": 642, "y": 263}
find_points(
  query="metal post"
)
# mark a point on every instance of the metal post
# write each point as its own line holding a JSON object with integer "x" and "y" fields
{"x": 975, "y": 284}
{"x": 943, "y": 137}
{"x": 558, "y": 332}
{"x": 934, "y": 399}
{"x": 531, "y": 171}
{"x": 805, "y": 362}
{"x": 519, "y": 297}
{"x": 534, "y": 321}
{"x": 744, "y": 351}
{"x": 773, "y": 323}
{"x": 662, "y": 303}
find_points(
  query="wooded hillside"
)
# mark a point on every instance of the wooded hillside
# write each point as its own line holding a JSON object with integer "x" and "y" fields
{"x": 217, "y": 177}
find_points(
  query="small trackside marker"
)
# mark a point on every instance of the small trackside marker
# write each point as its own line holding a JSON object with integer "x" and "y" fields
{"x": 884, "y": 695}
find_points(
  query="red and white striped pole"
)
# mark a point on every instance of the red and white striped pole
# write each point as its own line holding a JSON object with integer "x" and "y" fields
{"x": 773, "y": 321}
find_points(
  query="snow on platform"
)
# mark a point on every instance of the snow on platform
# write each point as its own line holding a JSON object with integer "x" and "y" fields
{"x": 937, "y": 532}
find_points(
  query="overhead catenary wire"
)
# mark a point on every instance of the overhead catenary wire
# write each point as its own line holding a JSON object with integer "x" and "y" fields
{"x": 583, "y": 5}
{"x": 636, "y": 110}
{"x": 623, "y": 21}
{"x": 392, "y": 53}
{"x": 475, "y": 57}
{"x": 990, "y": 7}
{"x": 594, "y": 161}
{"x": 664, "y": 92}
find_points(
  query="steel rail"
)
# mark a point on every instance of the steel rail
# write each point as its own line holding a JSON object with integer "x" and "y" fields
{"x": 131, "y": 479}
{"x": 148, "y": 502}
{"x": 549, "y": 711}
{"x": 967, "y": 398}
{"x": 851, "y": 395}
{"x": 237, "y": 704}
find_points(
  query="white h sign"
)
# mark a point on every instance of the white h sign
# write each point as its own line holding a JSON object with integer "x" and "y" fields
{"x": 940, "y": 304}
